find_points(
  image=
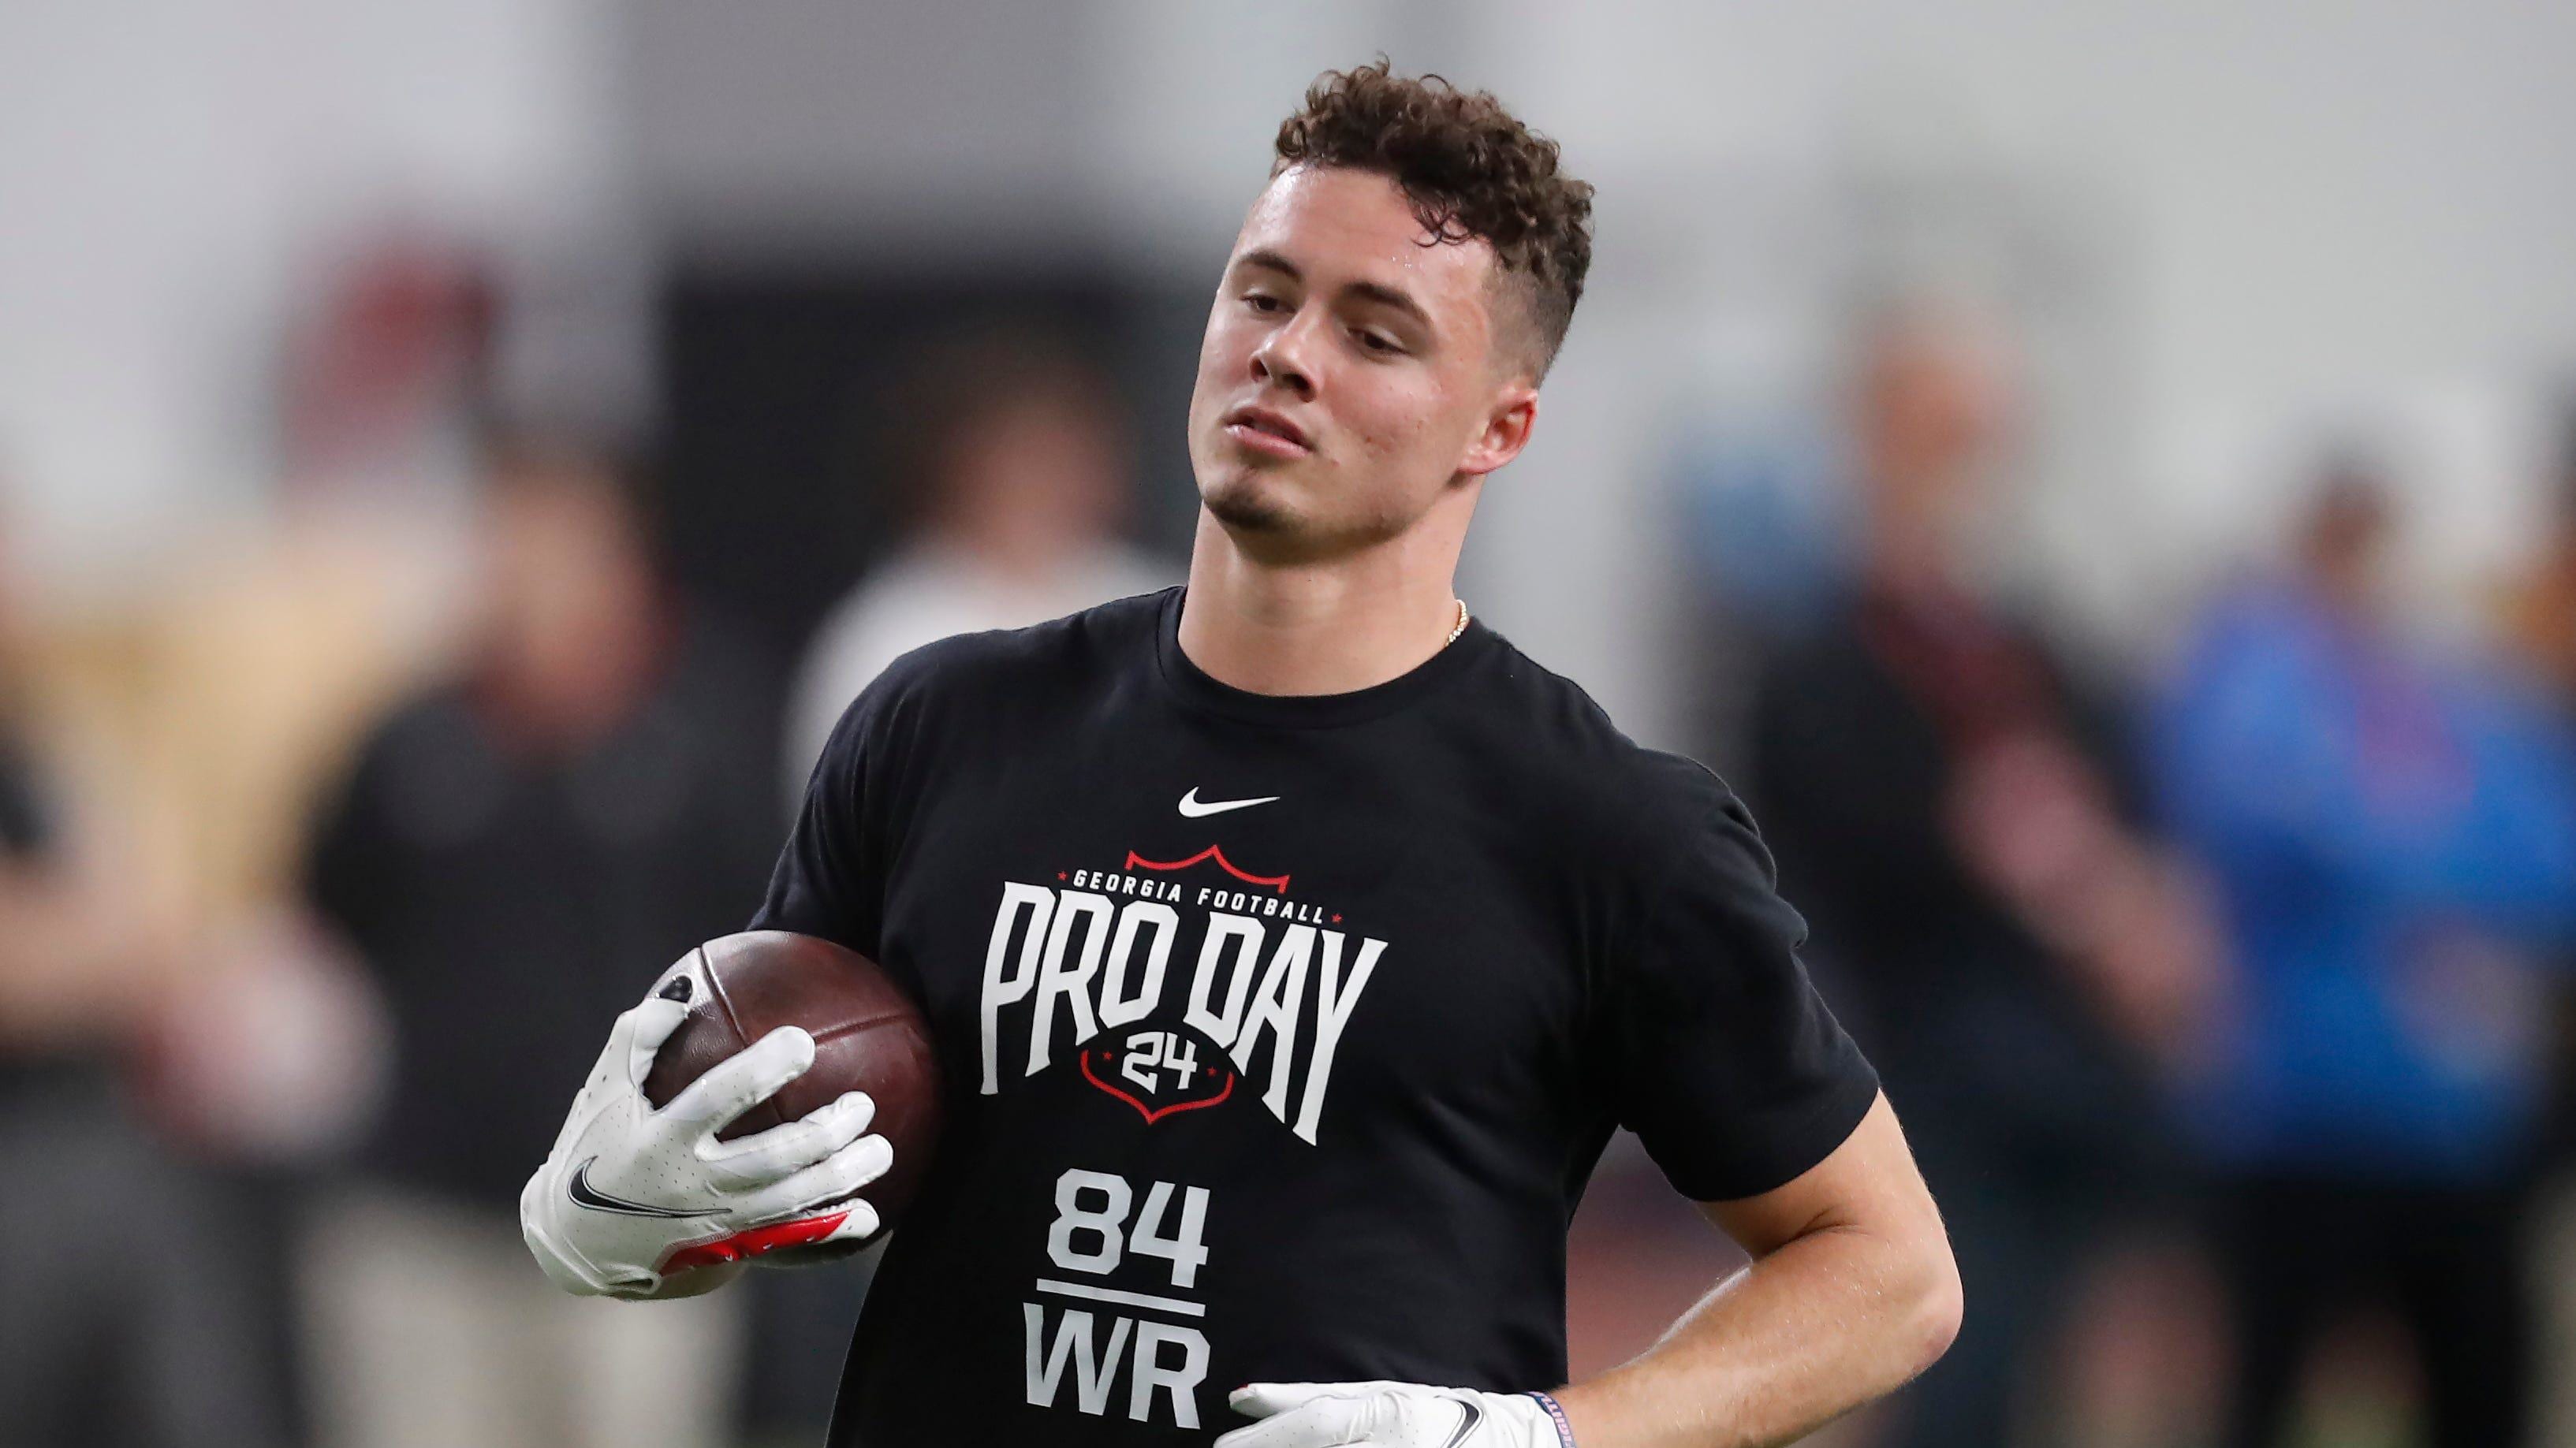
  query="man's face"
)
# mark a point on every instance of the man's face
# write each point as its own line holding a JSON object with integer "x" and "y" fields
{"x": 1349, "y": 375}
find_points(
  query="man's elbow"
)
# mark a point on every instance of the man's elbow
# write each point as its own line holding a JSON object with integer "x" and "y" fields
{"x": 1939, "y": 1303}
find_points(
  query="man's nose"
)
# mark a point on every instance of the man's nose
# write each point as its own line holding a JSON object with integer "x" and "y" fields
{"x": 1282, "y": 357}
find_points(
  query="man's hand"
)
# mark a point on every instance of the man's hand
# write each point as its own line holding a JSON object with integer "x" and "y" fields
{"x": 1397, "y": 1415}
{"x": 635, "y": 1202}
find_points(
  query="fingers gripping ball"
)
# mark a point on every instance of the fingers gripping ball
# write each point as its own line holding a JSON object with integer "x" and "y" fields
{"x": 868, "y": 1036}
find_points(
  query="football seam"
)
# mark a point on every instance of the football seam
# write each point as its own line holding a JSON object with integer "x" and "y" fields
{"x": 715, "y": 987}
{"x": 724, "y": 1003}
{"x": 847, "y": 1027}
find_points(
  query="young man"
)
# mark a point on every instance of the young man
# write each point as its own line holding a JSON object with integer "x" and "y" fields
{"x": 1294, "y": 943}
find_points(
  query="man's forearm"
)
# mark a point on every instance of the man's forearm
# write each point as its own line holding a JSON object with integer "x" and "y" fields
{"x": 1823, "y": 1324}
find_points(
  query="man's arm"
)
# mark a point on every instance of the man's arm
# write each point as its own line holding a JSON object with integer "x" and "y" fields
{"x": 1727, "y": 1065}
{"x": 1851, "y": 1292}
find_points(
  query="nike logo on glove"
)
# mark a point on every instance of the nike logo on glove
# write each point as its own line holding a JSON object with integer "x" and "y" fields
{"x": 584, "y": 1195}
{"x": 1469, "y": 1416}
{"x": 1193, "y": 808}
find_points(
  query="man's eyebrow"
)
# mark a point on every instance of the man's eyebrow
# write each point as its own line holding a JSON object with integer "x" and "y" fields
{"x": 1378, "y": 292}
{"x": 1389, "y": 296}
{"x": 1269, "y": 260}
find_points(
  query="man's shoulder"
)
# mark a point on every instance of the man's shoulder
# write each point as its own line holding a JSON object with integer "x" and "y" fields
{"x": 1566, "y": 751}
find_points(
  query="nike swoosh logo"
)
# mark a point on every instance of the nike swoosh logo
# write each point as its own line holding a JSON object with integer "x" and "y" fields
{"x": 584, "y": 1195}
{"x": 1469, "y": 1415}
{"x": 1192, "y": 808}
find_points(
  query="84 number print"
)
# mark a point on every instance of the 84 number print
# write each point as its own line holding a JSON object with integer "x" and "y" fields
{"x": 1162, "y": 1362}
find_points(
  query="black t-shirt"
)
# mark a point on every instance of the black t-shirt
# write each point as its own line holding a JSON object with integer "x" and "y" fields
{"x": 1281, "y": 1034}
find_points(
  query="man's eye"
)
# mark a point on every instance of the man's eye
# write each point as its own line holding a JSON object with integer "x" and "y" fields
{"x": 1261, "y": 302}
{"x": 1378, "y": 342}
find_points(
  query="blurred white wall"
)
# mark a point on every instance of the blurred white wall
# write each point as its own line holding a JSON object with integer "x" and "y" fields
{"x": 2256, "y": 223}
{"x": 2267, "y": 219}
{"x": 173, "y": 173}
{"x": 2329, "y": 214}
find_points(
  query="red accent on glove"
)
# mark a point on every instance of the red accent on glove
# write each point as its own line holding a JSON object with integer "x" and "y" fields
{"x": 753, "y": 1242}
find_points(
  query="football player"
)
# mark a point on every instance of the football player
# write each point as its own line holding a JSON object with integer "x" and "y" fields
{"x": 1295, "y": 943}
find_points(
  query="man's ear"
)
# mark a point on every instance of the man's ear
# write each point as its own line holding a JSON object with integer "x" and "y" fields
{"x": 1507, "y": 430}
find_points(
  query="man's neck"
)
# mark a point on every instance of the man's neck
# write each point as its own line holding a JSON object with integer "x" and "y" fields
{"x": 1326, "y": 627}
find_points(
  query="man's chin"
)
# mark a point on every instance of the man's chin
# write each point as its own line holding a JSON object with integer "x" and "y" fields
{"x": 1244, "y": 506}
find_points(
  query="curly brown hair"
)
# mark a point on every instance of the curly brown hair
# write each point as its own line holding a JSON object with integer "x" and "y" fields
{"x": 1471, "y": 170}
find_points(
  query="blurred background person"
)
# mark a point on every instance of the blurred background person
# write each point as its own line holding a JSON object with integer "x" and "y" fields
{"x": 2393, "y": 838}
{"x": 284, "y": 634}
{"x": 1950, "y": 807}
{"x": 119, "y": 1286}
{"x": 2539, "y": 617}
{"x": 192, "y": 724}
{"x": 512, "y": 855}
{"x": 1016, "y": 471}
{"x": 2541, "y": 611}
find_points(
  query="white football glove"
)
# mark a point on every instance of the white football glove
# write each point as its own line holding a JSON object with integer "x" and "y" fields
{"x": 635, "y": 1202}
{"x": 1397, "y": 1415}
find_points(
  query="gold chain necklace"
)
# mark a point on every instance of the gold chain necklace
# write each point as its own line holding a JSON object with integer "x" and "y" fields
{"x": 1461, "y": 628}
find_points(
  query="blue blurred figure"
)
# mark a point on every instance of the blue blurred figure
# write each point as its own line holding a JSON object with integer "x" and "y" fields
{"x": 2394, "y": 843}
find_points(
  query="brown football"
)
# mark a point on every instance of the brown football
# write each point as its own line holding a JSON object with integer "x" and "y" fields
{"x": 868, "y": 1036}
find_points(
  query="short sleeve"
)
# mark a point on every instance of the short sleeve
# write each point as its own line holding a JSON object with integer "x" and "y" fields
{"x": 1725, "y": 1060}
{"x": 830, "y": 877}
